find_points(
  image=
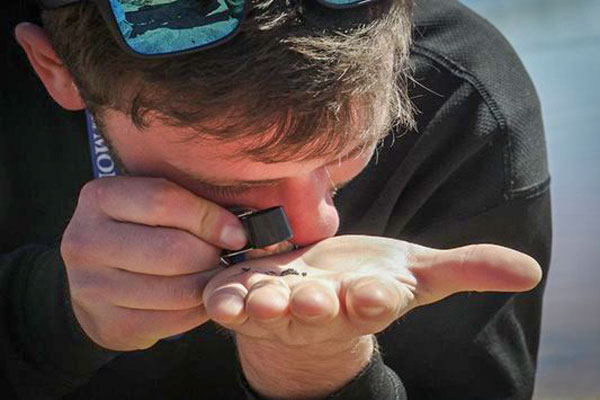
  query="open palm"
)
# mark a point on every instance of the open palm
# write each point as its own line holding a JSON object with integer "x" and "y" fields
{"x": 348, "y": 286}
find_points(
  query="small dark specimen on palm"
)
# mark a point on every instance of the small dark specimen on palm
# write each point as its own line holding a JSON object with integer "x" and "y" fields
{"x": 285, "y": 272}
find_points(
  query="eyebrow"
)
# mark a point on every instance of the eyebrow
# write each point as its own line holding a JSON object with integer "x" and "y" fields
{"x": 220, "y": 184}
{"x": 217, "y": 184}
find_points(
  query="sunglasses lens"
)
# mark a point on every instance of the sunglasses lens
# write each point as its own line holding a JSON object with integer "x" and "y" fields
{"x": 154, "y": 27}
{"x": 344, "y": 3}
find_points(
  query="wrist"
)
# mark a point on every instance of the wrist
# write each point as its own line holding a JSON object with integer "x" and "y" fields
{"x": 276, "y": 370}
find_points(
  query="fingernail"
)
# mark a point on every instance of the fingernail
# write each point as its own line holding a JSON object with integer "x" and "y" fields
{"x": 233, "y": 237}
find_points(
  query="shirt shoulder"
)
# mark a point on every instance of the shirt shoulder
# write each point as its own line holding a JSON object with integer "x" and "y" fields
{"x": 464, "y": 67}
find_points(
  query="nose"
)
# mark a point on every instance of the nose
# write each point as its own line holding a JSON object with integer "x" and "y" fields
{"x": 308, "y": 204}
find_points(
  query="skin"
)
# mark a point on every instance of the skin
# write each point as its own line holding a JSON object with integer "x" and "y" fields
{"x": 141, "y": 254}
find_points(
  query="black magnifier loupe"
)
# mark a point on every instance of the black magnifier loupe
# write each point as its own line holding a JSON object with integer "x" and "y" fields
{"x": 263, "y": 228}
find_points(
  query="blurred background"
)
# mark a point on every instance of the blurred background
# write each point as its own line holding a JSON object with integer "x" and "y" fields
{"x": 559, "y": 43}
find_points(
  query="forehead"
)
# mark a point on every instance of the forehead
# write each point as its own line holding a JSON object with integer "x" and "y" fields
{"x": 224, "y": 163}
{"x": 281, "y": 136}
{"x": 165, "y": 150}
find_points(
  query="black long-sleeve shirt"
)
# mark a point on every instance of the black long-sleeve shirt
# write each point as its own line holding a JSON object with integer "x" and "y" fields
{"x": 473, "y": 171}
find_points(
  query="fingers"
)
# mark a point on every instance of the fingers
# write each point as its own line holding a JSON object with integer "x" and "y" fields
{"x": 359, "y": 296}
{"x": 140, "y": 291}
{"x": 144, "y": 248}
{"x": 310, "y": 310}
{"x": 158, "y": 202}
{"x": 370, "y": 298}
{"x": 120, "y": 310}
{"x": 481, "y": 267}
{"x": 314, "y": 302}
{"x": 126, "y": 329}
{"x": 162, "y": 324}
{"x": 267, "y": 300}
{"x": 374, "y": 302}
{"x": 141, "y": 249}
{"x": 270, "y": 300}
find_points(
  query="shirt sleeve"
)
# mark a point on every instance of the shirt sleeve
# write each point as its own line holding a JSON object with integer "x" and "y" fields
{"x": 477, "y": 345}
{"x": 375, "y": 382}
{"x": 45, "y": 354}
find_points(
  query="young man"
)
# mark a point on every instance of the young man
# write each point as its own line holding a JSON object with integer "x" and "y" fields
{"x": 287, "y": 112}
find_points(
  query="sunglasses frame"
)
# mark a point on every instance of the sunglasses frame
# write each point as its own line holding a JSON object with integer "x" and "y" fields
{"x": 107, "y": 13}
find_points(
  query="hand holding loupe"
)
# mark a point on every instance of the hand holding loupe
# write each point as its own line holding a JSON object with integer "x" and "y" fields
{"x": 263, "y": 228}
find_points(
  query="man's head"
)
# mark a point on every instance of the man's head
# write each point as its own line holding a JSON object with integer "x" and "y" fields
{"x": 280, "y": 102}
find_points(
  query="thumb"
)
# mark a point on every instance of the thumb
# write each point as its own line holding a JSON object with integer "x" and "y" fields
{"x": 479, "y": 267}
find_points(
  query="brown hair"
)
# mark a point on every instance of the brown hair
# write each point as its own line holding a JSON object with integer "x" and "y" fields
{"x": 314, "y": 90}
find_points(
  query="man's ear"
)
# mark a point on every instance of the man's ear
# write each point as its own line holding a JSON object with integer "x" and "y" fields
{"x": 49, "y": 67}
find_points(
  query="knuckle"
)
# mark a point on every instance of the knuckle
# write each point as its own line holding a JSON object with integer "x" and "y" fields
{"x": 86, "y": 288}
{"x": 75, "y": 246}
{"x": 206, "y": 217}
{"x": 90, "y": 191}
{"x": 68, "y": 245}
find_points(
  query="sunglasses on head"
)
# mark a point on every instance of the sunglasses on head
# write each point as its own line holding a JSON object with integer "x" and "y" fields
{"x": 159, "y": 28}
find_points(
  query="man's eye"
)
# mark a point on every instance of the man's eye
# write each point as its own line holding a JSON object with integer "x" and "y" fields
{"x": 229, "y": 191}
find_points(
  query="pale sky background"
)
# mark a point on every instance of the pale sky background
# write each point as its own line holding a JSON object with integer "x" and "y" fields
{"x": 559, "y": 43}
